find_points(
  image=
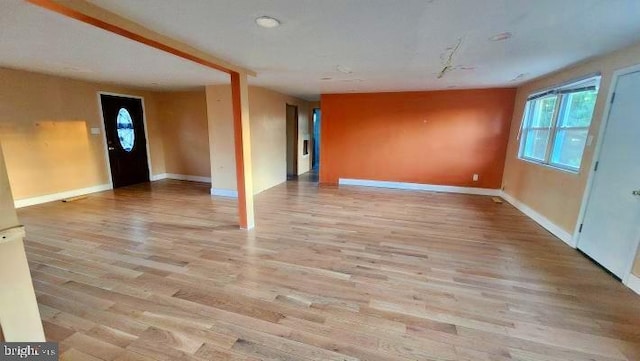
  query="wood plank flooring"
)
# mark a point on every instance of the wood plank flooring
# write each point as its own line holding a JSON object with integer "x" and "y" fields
{"x": 161, "y": 272}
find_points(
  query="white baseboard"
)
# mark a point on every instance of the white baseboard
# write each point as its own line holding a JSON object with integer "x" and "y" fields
{"x": 633, "y": 282}
{"x": 224, "y": 192}
{"x": 418, "y": 187}
{"x": 157, "y": 177}
{"x": 192, "y": 178}
{"x": 557, "y": 231}
{"x": 25, "y": 202}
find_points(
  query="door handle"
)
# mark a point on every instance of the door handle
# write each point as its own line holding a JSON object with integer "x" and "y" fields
{"x": 111, "y": 148}
{"x": 636, "y": 192}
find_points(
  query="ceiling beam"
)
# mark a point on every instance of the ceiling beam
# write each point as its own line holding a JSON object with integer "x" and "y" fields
{"x": 104, "y": 19}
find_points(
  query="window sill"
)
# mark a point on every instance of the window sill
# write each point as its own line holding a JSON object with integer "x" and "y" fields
{"x": 545, "y": 165}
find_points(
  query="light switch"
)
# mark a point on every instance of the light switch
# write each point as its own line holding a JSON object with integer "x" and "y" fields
{"x": 95, "y": 131}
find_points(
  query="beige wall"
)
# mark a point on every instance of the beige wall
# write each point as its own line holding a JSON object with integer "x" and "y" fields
{"x": 220, "y": 127}
{"x": 8, "y": 217}
{"x": 183, "y": 118}
{"x": 19, "y": 315}
{"x": 555, "y": 194}
{"x": 267, "y": 110}
{"x": 45, "y": 126}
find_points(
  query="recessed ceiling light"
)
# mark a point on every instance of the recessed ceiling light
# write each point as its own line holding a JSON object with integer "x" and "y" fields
{"x": 267, "y": 22}
{"x": 501, "y": 36}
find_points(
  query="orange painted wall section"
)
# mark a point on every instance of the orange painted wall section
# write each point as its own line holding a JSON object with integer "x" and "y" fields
{"x": 439, "y": 137}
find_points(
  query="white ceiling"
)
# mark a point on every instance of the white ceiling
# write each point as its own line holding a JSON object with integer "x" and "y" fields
{"x": 36, "y": 39}
{"x": 388, "y": 45}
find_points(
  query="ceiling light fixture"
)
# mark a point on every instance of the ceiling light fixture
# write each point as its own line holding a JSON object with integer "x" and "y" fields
{"x": 267, "y": 22}
{"x": 501, "y": 36}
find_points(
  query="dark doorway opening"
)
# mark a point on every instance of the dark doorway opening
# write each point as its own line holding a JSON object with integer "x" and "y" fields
{"x": 315, "y": 162}
{"x": 292, "y": 141}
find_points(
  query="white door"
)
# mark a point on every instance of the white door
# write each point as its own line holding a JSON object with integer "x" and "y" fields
{"x": 611, "y": 225}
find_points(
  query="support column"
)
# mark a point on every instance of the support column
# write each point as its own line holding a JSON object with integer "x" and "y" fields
{"x": 242, "y": 144}
{"x": 19, "y": 315}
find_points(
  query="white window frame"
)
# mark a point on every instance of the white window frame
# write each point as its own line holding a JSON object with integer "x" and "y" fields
{"x": 560, "y": 92}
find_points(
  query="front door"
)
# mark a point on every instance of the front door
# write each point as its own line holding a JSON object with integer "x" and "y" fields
{"x": 610, "y": 230}
{"x": 126, "y": 141}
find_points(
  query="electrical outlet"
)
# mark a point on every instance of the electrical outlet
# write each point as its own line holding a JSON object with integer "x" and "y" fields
{"x": 475, "y": 177}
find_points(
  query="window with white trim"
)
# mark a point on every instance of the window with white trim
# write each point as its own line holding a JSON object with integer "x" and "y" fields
{"x": 555, "y": 124}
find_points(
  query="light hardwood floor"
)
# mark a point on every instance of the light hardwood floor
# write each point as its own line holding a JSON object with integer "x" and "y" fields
{"x": 161, "y": 272}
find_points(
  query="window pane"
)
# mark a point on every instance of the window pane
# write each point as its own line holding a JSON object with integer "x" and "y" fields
{"x": 577, "y": 109}
{"x": 568, "y": 147}
{"x": 535, "y": 144}
{"x": 541, "y": 112}
{"x": 556, "y": 125}
{"x": 125, "y": 130}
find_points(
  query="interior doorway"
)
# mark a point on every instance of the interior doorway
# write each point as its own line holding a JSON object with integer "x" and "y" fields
{"x": 609, "y": 232}
{"x": 126, "y": 139}
{"x": 315, "y": 162}
{"x": 292, "y": 141}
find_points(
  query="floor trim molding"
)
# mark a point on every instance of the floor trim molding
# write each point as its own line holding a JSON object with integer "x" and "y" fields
{"x": 556, "y": 230}
{"x": 192, "y": 178}
{"x": 633, "y": 282}
{"x": 26, "y": 202}
{"x": 224, "y": 192}
{"x": 157, "y": 177}
{"x": 418, "y": 187}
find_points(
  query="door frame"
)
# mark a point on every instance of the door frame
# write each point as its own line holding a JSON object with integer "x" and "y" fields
{"x": 104, "y": 132}
{"x": 596, "y": 157}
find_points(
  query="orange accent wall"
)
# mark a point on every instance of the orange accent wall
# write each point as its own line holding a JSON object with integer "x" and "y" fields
{"x": 438, "y": 137}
